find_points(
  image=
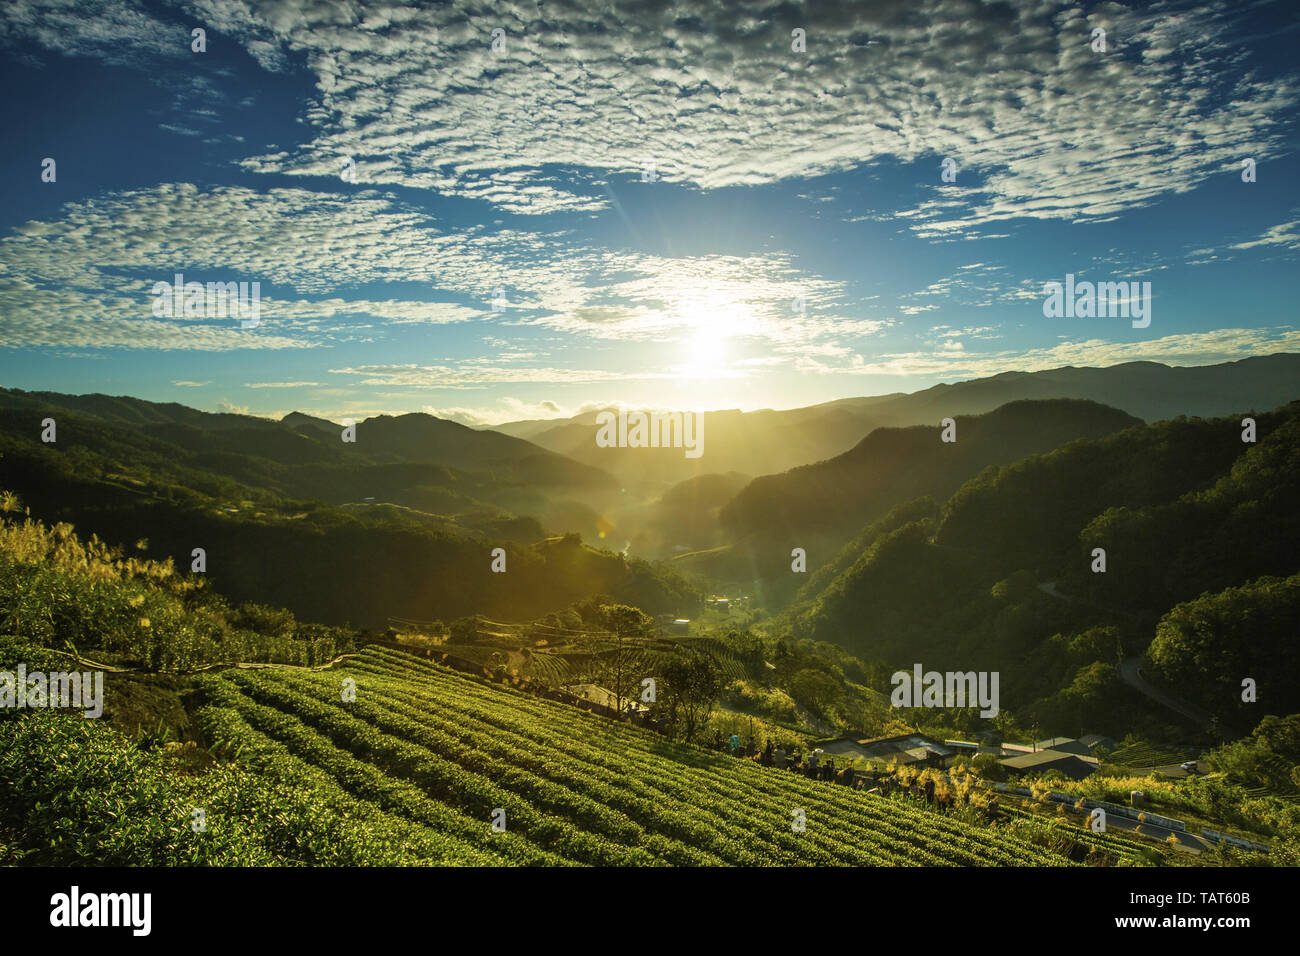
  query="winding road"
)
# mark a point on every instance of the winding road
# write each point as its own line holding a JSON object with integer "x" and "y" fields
{"x": 1130, "y": 671}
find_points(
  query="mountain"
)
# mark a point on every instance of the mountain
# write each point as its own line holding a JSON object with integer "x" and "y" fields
{"x": 297, "y": 438}
{"x": 893, "y": 464}
{"x": 819, "y": 507}
{"x": 684, "y": 518}
{"x": 1149, "y": 390}
{"x": 1004, "y": 575}
{"x": 733, "y": 441}
{"x": 768, "y": 441}
{"x": 299, "y": 422}
{"x": 290, "y": 514}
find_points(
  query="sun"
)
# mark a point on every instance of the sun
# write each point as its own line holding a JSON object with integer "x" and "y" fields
{"x": 712, "y": 325}
{"x": 705, "y": 353}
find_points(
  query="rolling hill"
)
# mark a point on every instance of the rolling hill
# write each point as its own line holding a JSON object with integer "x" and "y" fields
{"x": 1001, "y": 577}
{"x": 769, "y": 441}
{"x": 820, "y": 507}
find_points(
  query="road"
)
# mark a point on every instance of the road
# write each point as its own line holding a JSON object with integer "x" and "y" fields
{"x": 1187, "y": 841}
{"x": 1130, "y": 671}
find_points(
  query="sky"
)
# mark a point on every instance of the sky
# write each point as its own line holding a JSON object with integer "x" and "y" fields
{"x": 492, "y": 212}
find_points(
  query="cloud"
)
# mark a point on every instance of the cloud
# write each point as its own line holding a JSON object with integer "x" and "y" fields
{"x": 1285, "y": 235}
{"x": 179, "y": 130}
{"x": 507, "y": 410}
{"x": 1191, "y": 348}
{"x": 1041, "y": 126}
{"x": 87, "y": 276}
{"x": 475, "y": 375}
{"x": 121, "y": 33}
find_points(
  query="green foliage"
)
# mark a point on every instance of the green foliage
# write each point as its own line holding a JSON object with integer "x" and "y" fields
{"x": 989, "y": 767}
{"x": 1268, "y": 759}
{"x": 1002, "y": 581}
{"x": 691, "y": 683}
{"x": 816, "y": 690}
{"x": 441, "y": 751}
{"x": 752, "y": 697}
{"x": 465, "y": 630}
{"x": 1091, "y": 699}
{"x": 73, "y": 792}
{"x": 893, "y": 465}
{"x": 284, "y": 516}
{"x": 61, "y": 592}
{"x": 1205, "y": 647}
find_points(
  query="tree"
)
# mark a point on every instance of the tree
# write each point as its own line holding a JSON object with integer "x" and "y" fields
{"x": 989, "y": 767}
{"x": 691, "y": 682}
{"x": 464, "y": 630}
{"x": 816, "y": 690}
{"x": 629, "y": 626}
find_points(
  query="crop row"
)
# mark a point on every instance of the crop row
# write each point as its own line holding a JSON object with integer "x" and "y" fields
{"x": 738, "y": 780}
{"x": 550, "y": 765}
{"x": 398, "y": 841}
{"x": 367, "y": 782}
{"x": 486, "y": 748}
{"x": 733, "y": 823}
{"x": 406, "y": 764}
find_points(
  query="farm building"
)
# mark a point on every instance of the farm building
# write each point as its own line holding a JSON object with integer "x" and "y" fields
{"x": 1072, "y": 765}
{"x": 902, "y": 749}
{"x": 971, "y": 748}
{"x": 1082, "y": 746}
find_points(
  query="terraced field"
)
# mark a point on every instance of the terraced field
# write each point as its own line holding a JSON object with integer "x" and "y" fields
{"x": 1064, "y": 831}
{"x": 1144, "y": 756}
{"x": 430, "y": 754}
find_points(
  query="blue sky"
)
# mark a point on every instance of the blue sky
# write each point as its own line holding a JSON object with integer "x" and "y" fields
{"x": 779, "y": 176}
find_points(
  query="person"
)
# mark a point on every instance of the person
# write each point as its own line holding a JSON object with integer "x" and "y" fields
{"x": 767, "y": 753}
{"x": 778, "y": 758}
{"x": 734, "y": 743}
{"x": 812, "y": 759}
{"x": 829, "y": 773}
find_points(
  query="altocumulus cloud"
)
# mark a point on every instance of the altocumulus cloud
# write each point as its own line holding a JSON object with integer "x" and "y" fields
{"x": 717, "y": 98}
{"x": 85, "y": 279}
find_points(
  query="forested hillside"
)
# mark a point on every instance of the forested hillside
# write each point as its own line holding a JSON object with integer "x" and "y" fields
{"x": 281, "y": 518}
{"x": 820, "y": 507}
{"x": 1001, "y": 577}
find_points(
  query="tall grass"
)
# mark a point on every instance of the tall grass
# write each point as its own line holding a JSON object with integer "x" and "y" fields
{"x": 60, "y": 591}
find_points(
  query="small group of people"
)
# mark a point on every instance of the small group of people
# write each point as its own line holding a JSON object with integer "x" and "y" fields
{"x": 733, "y": 745}
{"x": 813, "y": 767}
